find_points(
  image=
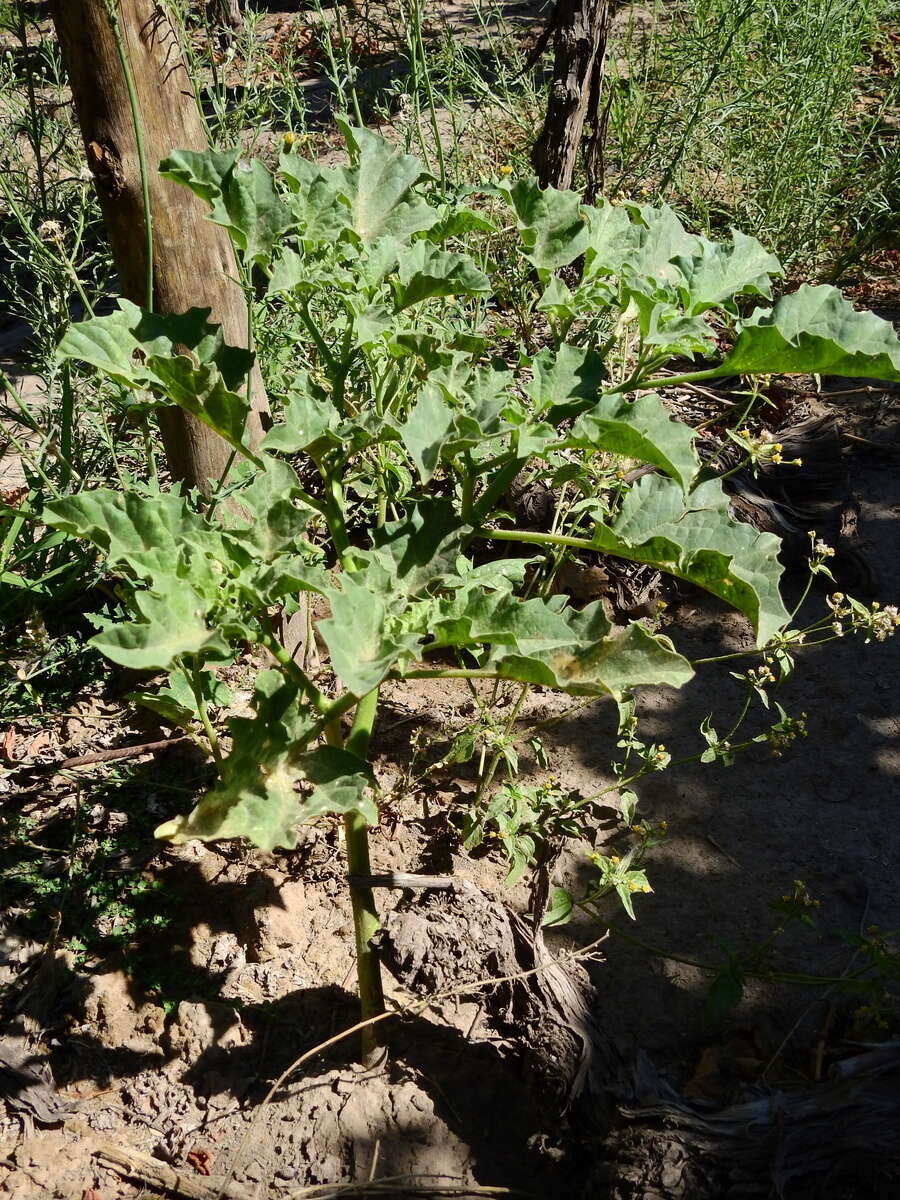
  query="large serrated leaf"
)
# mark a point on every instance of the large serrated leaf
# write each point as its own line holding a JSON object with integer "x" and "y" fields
{"x": 310, "y": 423}
{"x": 698, "y": 540}
{"x": 341, "y": 782}
{"x": 610, "y": 239}
{"x": 719, "y": 273}
{"x": 319, "y": 212}
{"x": 419, "y": 550}
{"x": 121, "y": 343}
{"x": 551, "y": 224}
{"x": 293, "y": 272}
{"x": 250, "y": 208}
{"x": 379, "y": 189}
{"x": 566, "y": 382}
{"x": 611, "y": 666}
{"x": 815, "y": 330}
{"x": 540, "y": 642}
{"x": 203, "y": 171}
{"x": 172, "y": 623}
{"x": 265, "y": 516}
{"x": 427, "y": 429}
{"x": 663, "y": 324}
{"x": 144, "y": 533}
{"x": 424, "y": 271}
{"x": 242, "y": 196}
{"x": 201, "y": 391}
{"x": 641, "y": 429}
{"x": 660, "y": 239}
{"x": 257, "y": 796}
{"x": 357, "y": 635}
{"x": 184, "y": 357}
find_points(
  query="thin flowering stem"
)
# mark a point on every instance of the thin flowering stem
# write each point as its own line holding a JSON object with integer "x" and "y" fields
{"x": 717, "y": 968}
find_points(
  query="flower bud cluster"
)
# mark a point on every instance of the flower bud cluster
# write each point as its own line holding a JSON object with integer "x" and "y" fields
{"x": 849, "y": 615}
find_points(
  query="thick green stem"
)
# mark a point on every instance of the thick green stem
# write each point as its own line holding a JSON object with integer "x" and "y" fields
{"x": 196, "y": 684}
{"x": 334, "y": 514}
{"x": 641, "y": 385}
{"x": 294, "y": 671}
{"x": 535, "y": 538}
{"x": 365, "y": 914}
{"x": 331, "y": 364}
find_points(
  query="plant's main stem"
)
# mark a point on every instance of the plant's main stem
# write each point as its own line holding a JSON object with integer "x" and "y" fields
{"x": 365, "y": 914}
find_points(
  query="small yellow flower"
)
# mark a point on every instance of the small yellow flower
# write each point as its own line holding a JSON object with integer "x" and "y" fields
{"x": 620, "y": 474}
{"x": 615, "y": 860}
{"x": 632, "y": 886}
{"x": 506, "y": 169}
{"x": 646, "y": 888}
{"x": 290, "y": 138}
{"x": 798, "y": 462}
{"x": 636, "y": 829}
{"x": 776, "y": 458}
{"x": 745, "y": 433}
{"x": 664, "y": 825}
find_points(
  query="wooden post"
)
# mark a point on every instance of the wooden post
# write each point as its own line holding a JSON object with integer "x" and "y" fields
{"x": 579, "y": 29}
{"x": 225, "y": 12}
{"x": 193, "y": 260}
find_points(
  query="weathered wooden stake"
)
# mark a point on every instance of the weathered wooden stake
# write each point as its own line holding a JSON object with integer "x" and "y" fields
{"x": 579, "y": 29}
{"x": 193, "y": 259}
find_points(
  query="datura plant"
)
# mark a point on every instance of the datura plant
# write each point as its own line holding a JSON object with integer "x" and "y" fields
{"x": 381, "y": 487}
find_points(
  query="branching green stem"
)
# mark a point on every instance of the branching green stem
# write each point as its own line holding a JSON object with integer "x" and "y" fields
{"x": 328, "y": 359}
{"x": 193, "y": 674}
{"x": 294, "y": 671}
{"x": 637, "y": 384}
{"x": 486, "y": 776}
{"x": 716, "y": 968}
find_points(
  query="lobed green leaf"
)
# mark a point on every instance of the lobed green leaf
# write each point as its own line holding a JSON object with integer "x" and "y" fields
{"x": 815, "y": 330}
{"x": 698, "y": 540}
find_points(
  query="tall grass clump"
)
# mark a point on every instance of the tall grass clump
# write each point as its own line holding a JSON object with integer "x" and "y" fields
{"x": 771, "y": 114}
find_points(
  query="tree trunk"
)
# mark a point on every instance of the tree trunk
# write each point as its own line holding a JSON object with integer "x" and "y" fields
{"x": 225, "y": 12}
{"x": 579, "y": 29}
{"x": 193, "y": 259}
